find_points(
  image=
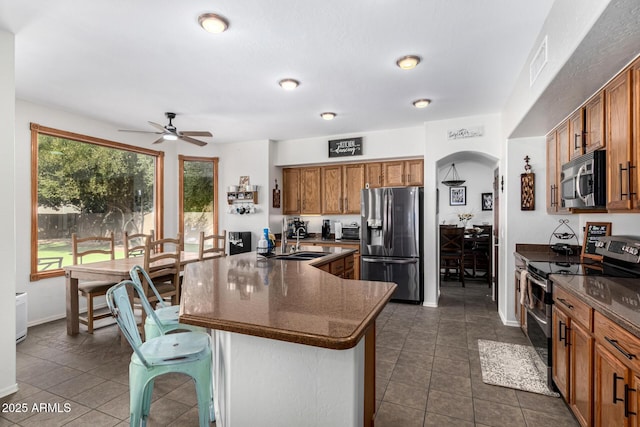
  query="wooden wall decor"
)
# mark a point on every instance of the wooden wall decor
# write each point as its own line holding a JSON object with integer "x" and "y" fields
{"x": 527, "y": 188}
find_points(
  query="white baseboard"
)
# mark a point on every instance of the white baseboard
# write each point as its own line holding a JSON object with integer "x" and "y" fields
{"x": 60, "y": 316}
{"x": 9, "y": 390}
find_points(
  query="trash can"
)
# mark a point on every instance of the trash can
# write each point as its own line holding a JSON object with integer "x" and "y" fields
{"x": 239, "y": 242}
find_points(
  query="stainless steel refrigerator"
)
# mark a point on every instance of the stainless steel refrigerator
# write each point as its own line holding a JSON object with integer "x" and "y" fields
{"x": 391, "y": 242}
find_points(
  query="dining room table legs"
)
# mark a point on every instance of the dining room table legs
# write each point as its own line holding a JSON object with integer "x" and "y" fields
{"x": 73, "y": 308}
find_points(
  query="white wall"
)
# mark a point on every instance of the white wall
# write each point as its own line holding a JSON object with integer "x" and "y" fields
{"x": 46, "y": 298}
{"x": 478, "y": 178}
{"x": 7, "y": 225}
{"x": 440, "y": 151}
{"x": 385, "y": 144}
{"x": 251, "y": 159}
{"x": 566, "y": 26}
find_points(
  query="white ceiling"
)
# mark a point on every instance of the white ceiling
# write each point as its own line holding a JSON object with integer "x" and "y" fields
{"x": 127, "y": 62}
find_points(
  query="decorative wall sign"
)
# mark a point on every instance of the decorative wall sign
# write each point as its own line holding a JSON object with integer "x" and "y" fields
{"x": 487, "y": 201}
{"x": 457, "y": 196}
{"x": 346, "y": 147}
{"x": 527, "y": 188}
{"x": 276, "y": 196}
{"x": 470, "y": 132}
{"x": 592, "y": 231}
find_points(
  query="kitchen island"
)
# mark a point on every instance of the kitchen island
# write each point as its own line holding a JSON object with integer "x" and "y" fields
{"x": 292, "y": 344}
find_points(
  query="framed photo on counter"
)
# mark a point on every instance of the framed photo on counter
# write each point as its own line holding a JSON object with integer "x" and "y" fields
{"x": 457, "y": 196}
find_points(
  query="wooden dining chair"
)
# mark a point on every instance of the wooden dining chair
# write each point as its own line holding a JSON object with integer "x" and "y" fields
{"x": 91, "y": 249}
{"x": 213, "y": 245}
{"x": 452, "y": 250}
{"x": 134, "y": 244}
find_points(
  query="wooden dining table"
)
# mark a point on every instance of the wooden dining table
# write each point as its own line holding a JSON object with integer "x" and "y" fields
{"x": 114, "y": 271}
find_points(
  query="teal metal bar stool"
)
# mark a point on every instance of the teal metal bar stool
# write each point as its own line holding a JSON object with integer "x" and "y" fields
{"x": 168, "y": 314}
{"x": 188, "y": 353}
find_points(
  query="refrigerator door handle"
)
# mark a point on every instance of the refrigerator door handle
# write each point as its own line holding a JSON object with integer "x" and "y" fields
{"x": 390, "y": 260}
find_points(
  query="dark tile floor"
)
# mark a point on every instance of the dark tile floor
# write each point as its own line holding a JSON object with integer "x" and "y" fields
{"x": 428, "y": 374}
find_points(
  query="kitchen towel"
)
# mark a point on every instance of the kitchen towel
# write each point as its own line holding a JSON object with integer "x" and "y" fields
{"x": 524, "y": 287}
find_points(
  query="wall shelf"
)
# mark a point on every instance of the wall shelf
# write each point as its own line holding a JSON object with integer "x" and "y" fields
{"x": 242, "y": 197}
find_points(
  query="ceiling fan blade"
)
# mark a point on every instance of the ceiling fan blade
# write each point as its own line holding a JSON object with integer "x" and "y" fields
{"x": 192, "y": 140}
{"x": 159, "y": 127}
{"x": 159, "y": 140}
{"x": 139, "y": 131}
{"x": 196, "y": 133}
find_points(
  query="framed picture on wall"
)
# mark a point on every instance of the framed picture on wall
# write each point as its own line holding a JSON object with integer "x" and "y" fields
{"x": 487, "y": 201}
{"x": 457, "y": 196}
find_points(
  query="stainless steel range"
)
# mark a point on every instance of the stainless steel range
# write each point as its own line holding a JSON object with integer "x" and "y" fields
{"x": 621, "y": 258}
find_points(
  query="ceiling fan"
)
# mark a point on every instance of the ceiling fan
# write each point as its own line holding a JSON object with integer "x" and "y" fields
{"x": 169, "y": 132}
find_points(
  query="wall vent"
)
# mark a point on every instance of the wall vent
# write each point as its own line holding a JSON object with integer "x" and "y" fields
{"x": 538, "y": 62}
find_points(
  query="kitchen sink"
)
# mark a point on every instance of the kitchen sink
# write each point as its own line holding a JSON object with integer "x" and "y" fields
{"x": 302, "y": 256}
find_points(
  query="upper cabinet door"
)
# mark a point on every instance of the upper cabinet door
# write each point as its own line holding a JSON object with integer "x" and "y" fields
{"x": 373, "y": 175}
{"x": 576, "y": 134}
{"x": 594, "y": 123}
{"x": 552, "y": 173}
{"x": 310, "y": 191}
{"x": 290, "y": 191}
{"x": 393, "y": 174}
{"x": 620, "y": 174}
{"x": 415, "y": 172}
{"x": 563, "y": 141}
{"x": 332, "y": 202}
{"x": 353, "y": 185}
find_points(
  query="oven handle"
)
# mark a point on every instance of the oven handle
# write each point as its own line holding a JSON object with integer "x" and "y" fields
{"x": 539, "y": 319}
{"x": 540, "y": 282}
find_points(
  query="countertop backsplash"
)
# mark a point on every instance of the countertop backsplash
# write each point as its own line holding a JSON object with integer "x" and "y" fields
{"x": 314, "y": 224}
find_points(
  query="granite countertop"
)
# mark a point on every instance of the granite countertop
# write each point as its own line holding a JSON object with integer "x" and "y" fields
{"x": 616, "y": 298}
{"x": 536, "y": 252}
{"x": 284, "y": 300}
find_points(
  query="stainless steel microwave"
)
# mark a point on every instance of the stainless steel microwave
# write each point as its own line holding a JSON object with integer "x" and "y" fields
{"x": 583, "y": 181}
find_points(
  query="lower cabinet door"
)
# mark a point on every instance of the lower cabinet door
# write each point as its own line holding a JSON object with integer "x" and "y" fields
{"x": 560, "y": 349}
{"x": 581, "y": 374}
{"x": 611, "y": 377}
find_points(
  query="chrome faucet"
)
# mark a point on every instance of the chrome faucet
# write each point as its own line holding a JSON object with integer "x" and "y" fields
{"x": 297, "y": 248}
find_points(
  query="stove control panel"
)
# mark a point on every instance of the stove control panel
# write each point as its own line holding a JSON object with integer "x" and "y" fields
{"x": 623, "y": 248}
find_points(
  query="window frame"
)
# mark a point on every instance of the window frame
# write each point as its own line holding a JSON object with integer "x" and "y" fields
{"x": 181, "y": 160}
{"x": 37, "y": 130}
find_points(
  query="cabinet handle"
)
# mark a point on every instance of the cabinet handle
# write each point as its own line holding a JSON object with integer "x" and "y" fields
{"x": 346, "y": 204}
{"x": 560, "y": 328}
{"x": 617, "y": 346}
{"x": 615, "y": 388}
{"x": 565, "y": 303}
{"x": 629, "y": 193}
{"x": 627, "y": 412}
{"x": 340, "y": 205}
{"x": 408, "y": 178}
{"x": 553, "y": 195}
{"x": 575, "y": 141}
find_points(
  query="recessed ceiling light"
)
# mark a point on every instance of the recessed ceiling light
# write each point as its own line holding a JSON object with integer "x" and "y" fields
{"x": 213, "y": 23}
{"x": 421, "y": 103}
{"x": 408, "y": 62}
{"x": 288, "y": 84}
{"x": 328, "y": 115}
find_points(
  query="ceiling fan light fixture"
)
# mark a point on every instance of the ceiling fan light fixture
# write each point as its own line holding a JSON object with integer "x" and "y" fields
{"x": 421, "y": 103}
{"x": 288, "y": 84}
{"x": 455, "y": 180}
{"x": 408, "y": 62}
{"x": 328, "y": 115}
{"x": 213, "y": 23}
{"x": 170, "y": 137}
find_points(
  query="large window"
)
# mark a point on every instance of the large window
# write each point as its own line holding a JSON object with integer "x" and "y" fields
{"x": 198, "y": 198}
{"x": 91, "y": 187}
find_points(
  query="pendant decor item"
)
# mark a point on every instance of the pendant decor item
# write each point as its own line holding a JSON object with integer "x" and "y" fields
{"x": 527, "y": 188}
{"x": 276, "y": 196}
{"x": 452, "y": 179}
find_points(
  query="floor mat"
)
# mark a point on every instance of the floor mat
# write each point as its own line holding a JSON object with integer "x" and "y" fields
{"x": 514, "y": 366}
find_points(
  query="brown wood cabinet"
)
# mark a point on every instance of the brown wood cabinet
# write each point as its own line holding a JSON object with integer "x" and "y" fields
{"x": 576, "y": 134}
{"x": 332, "y": 185}
{"x": 301, "y": 191}
{"x": 342, "y": 267}
{"x": 290, "y": 191}
{"x": 594, "y": 138}
{"x": 557, "y": 155}
{"x": 373, "y": 175}
{"x": 572, "y": 353}
{"x": 335, "y": 189}
{"x": 621, "y": 171}
{"x": 353, "y": 183}
{"x": 611, "y": 376}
